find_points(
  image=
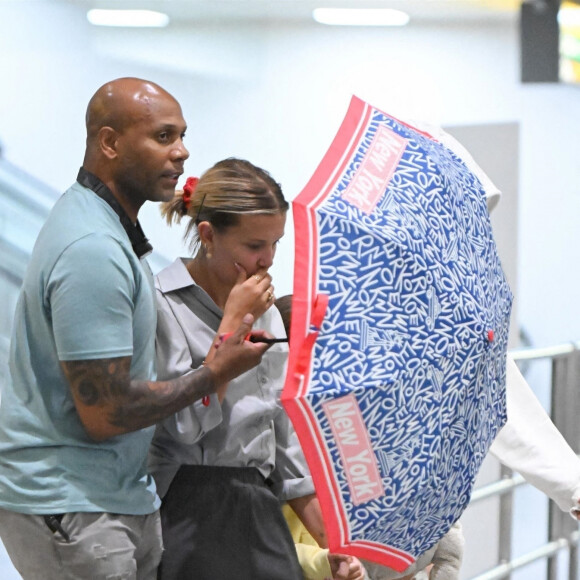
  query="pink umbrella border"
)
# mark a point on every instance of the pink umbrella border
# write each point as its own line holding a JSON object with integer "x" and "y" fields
{"x": 308, "y": 309}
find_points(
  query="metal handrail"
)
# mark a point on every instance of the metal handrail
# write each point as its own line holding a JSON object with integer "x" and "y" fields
{"x": 568, "y": 540}
{"x": 545, "y": 352}
{"x": 504, "y": 569}
{"x": 505, "y": 485}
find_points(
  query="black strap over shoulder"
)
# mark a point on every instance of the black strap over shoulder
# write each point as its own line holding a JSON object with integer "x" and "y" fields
{"x": 140, "y": 243}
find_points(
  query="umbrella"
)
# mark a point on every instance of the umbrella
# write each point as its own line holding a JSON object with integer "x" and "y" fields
{"x": 400, "y": 315}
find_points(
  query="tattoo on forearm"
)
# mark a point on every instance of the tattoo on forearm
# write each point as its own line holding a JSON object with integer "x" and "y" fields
{"x": 132, "y": 404}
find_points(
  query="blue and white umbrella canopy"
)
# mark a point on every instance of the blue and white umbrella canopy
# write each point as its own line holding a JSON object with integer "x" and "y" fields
{"x": 396, "y": 380}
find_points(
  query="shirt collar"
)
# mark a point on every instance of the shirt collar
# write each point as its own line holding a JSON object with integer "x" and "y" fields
{"x": 139, "y": 242}
{"x": 175, "y": 276}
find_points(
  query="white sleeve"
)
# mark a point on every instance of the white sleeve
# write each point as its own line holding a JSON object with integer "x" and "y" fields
{"x": 530, "y": 444}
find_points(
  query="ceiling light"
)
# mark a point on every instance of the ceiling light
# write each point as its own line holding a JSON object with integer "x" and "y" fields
{"x": 360, "y": 16}
{"x": 133, "y": 18}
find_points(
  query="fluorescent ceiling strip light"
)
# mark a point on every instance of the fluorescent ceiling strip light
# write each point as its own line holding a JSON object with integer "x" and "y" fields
{"x": 360, "y": 16}
{"x": 132, "y": 18}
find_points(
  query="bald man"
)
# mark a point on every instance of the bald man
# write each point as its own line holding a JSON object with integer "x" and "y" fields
{"x": 77, "y": 417}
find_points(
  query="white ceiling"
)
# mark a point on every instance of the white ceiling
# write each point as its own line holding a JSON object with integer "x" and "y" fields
{"x": 188, "y": 12}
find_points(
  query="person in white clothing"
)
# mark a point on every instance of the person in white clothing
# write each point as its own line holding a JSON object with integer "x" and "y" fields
{"x": 528, "y": 443}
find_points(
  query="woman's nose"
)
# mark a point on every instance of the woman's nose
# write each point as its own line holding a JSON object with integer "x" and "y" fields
{"x": 267, "y": 258}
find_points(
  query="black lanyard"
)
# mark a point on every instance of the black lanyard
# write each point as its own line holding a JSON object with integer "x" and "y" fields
{"x": 140, "y": 243}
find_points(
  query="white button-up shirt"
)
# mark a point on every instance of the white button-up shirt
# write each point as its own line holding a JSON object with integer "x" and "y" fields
{"x": 249, "y": 428}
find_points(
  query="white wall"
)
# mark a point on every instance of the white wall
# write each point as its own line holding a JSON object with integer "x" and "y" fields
{"x": 276, "y": 95}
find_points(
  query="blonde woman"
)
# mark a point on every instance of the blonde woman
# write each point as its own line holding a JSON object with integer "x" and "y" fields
{"x": 223, "y": 464}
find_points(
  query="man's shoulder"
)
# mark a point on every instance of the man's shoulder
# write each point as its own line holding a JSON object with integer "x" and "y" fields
{"x": 81, "y": 209}
{"x": 79, "y": 216}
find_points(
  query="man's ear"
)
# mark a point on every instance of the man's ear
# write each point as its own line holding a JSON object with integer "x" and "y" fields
{"x": 107, "y": 139}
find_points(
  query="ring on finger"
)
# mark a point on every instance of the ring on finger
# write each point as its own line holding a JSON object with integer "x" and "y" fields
{"x": 270, "y": 295}
{"x": 258, "y": 278}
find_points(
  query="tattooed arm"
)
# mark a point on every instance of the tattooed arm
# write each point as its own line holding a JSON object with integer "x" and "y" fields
{"x": 109, "y": 403}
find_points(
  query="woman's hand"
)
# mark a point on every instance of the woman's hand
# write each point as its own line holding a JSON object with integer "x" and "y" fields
{"x": 250, "y": 295}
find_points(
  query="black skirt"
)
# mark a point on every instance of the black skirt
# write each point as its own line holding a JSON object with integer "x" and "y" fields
{"x": 224, "y": 523}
